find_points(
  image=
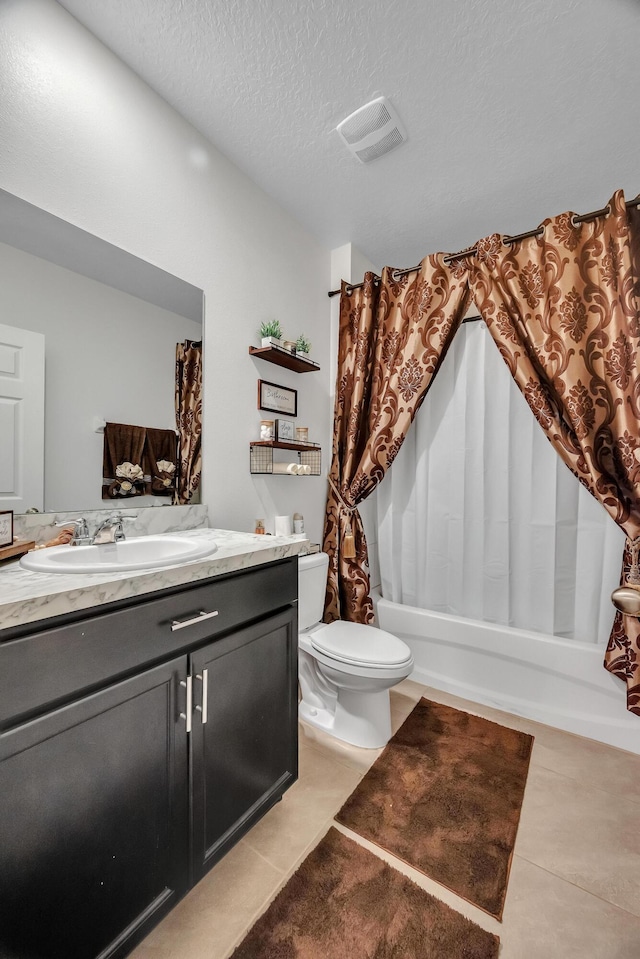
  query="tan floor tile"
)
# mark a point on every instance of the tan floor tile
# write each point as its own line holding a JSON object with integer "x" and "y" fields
{"x": 588, "y": 761}
{"x": 354, "y": 757}
{"x": 403, "y": 697}
{"x": 216, "y": 912}
{"x": 291, "y": 825}
{"x": 583, "y": 835}
{"x": 148, "y": 951}
{"x": 409, "y": 689}
{"x": 547, "y": 918}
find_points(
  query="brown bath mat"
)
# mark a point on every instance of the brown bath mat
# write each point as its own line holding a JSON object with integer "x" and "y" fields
{"x": 346, "y": 903}
{"x": 445, "y": 797}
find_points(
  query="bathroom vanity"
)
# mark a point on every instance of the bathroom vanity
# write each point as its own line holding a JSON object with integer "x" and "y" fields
{"x": 140, "y": 737}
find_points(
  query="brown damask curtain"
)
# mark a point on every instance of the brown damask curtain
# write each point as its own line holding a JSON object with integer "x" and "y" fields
{"x": 394, "y": 333}
{"x": 189, "y": 419}
{"x": 563, "y": 309}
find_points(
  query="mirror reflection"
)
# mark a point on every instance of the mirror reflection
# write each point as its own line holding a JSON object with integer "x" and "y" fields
{"x": 88, "y": 335}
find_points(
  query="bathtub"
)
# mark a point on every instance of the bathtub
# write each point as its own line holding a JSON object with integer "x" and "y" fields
{"x": 555, "y": 681}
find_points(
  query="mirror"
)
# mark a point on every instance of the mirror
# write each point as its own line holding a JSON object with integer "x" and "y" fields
{"x": 110, "y": 323}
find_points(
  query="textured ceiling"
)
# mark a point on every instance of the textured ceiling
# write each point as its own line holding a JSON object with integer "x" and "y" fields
{"x": 515, "y": 109}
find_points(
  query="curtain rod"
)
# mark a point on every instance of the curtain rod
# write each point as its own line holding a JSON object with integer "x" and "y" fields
{"x": 507, "y": 239}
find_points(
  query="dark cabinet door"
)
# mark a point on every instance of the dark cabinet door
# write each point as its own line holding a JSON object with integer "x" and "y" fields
{"x": 245, "y": 754}
{"x": 94, "y": 820}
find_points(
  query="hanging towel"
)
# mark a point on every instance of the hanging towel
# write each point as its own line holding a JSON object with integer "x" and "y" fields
{"x": 160, "y": 461}
{"x": 122, "y": 473}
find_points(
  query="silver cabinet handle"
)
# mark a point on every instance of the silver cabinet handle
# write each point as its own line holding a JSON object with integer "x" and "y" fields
{"x": 204, "y": 709}
{"x": 200, "y": 618}
{"x": 189, "y": 704}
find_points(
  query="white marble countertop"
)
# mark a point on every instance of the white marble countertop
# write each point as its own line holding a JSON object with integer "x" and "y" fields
{"x": 27, "y": 597}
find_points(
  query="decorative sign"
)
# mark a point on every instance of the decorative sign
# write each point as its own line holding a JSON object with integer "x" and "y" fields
{"x": 6, "y": 527}
{"x": 285, "y": 430}
{"x": 277, "y": 399}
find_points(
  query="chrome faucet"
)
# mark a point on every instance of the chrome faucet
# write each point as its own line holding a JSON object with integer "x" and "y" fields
{"x": 111, "y": 529}
{"x": 81, "y": 536}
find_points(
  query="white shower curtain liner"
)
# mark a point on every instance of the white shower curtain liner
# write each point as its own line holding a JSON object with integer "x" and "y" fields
{"x": 479, "y": 517}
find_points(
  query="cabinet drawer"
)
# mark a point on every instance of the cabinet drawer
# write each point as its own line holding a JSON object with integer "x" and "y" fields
{"x": 52, "y": 665}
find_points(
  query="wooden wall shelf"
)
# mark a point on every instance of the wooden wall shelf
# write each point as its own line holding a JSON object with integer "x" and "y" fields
{"x": 283, "y": 358}
{"x": 283, "y": 445}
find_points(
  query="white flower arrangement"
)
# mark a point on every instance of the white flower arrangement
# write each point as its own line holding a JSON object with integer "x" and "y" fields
{"x": 130, "y": 471}
{"x": 129, "y": 480}
{"x": 168, "y": 468}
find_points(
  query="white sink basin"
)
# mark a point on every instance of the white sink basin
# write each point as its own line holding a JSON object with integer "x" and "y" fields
{"x": 142, "y": 552}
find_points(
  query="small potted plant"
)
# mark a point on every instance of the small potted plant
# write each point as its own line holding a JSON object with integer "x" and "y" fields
{"x": 271, "y": 333}
{"x": 303, "y": 346}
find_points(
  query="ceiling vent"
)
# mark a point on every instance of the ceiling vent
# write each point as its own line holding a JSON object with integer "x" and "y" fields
{"x": 372, "y": 131}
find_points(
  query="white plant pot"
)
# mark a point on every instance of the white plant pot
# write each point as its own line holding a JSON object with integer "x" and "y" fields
{"x": 303, "y": 356}
{"x": 271, "y": 341}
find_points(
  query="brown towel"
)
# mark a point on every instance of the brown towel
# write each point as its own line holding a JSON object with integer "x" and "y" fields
{"x": 161, "y": 445}
{"x": 122, "y": 444}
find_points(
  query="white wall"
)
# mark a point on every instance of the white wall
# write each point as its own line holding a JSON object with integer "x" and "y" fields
{"x": 88, "y": 374}
{"x": 84, "y": 138}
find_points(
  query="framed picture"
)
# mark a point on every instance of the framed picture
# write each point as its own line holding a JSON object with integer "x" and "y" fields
{"x": 285, "y": 430}
{"x": 6, "y": 527}
{"x": 277, "y": 399}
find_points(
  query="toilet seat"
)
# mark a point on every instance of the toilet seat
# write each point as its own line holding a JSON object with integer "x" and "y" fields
{"x": 357, "y": 644}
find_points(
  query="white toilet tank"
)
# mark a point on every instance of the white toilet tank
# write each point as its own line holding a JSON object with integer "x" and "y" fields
{"x": 312, "y": 587}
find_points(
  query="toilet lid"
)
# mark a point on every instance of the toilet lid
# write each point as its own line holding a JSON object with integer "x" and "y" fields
{"x": 359, "y": 644}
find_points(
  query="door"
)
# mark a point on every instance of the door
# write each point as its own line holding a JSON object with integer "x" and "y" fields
{"x": 244, "y": 739}
{"x": 21, "y": 419}
{"x": 94, "y": 825}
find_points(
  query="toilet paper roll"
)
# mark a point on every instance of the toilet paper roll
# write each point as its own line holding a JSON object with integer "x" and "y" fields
{"x": 304, "y": 470}
{"x": 292, "y": 468}
{"x": 283, "y": 525}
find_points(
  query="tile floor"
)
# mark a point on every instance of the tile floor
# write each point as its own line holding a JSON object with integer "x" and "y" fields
{"x": 574, "y": 889}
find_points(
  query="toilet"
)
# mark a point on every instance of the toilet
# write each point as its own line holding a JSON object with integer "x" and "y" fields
{"x": 345, "y": 669}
